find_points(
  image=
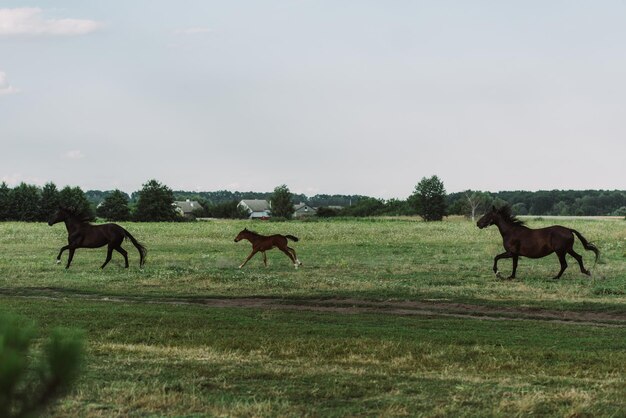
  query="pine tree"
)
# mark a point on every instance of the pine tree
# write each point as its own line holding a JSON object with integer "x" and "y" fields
{"x": 24, "y": 203}
{"x": 49, "y": 201}
{"x": 5, "y": 202}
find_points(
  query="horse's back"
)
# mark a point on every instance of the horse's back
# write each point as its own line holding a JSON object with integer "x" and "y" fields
{"x": 539, "y": 242}
{"x": 99, "y": 235}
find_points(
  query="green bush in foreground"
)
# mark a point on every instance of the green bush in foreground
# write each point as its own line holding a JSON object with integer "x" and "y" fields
{"x": 28, "y": 383}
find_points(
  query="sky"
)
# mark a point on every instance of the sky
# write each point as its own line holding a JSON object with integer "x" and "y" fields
{"x": 325, "y": 96}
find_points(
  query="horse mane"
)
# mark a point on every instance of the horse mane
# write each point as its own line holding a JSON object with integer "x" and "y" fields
{"x": 252, "y": 232}
{"x": 75, "y": 213}
{"x": 507, "y": 214}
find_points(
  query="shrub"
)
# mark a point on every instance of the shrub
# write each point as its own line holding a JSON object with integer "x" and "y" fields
{"x": 29, "y": 384}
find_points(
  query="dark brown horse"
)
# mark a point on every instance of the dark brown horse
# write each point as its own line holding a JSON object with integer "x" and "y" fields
{"x": 82, "y": 234}
{"x": 519, "y": 240}
{"x": 263, "y": 243}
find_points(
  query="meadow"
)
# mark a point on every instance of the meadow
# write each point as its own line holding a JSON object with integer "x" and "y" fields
{"x": 387, "y": 317}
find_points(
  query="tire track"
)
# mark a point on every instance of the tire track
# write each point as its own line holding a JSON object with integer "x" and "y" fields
{"x": 346, "y": 306}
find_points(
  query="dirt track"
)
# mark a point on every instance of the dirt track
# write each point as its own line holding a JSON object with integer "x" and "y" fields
{"x": 346, "y": 306}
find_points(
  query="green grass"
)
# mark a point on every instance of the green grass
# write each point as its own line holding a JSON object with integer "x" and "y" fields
{"x": 150, "y": 358}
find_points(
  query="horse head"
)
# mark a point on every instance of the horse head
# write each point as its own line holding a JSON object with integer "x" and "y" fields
{"x": 61, "y": 215}
{"x": 488, "y": 218}
{"x": 241, "y": 235}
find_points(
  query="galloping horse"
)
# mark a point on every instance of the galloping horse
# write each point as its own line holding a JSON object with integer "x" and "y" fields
{"x": 263, "y": 243}
{"x": 81, "y": 234}
{"x": 519, "y": 240}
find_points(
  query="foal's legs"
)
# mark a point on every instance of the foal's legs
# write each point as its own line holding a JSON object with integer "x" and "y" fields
{"x": 264, "y": 258}
{"x": 563, "y": 262}
{"x": 292, "y": 251}
{"x": 249, "y": 257}
{"x": 580, "y": 262}
{"x": 290, "y": 255}
{"x": 506, "y": 254}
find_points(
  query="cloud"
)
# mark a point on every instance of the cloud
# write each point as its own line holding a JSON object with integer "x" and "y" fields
{"x": 193, "y": 31}
{"x": 30, "y": 22}
{"x": 74, "y": 155}
{"x": 5, "y": 87}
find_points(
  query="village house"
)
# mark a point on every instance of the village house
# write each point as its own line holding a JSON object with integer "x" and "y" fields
{"x": 187, "y": 207}
{"x": 302, "y": 210}
{"x": 257, "y": 208}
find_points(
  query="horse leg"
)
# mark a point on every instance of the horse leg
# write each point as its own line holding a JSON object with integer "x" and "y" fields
{"x": 109, "y": 254}
{"x": 495, "y": 262}
{"x": 291, "y": 256}
{"x": 122, "y": 251}
{"x": 515, "y": 258}
{"x": 264, "y": 258}
{"x": 248, "y": 259}
{"x": 71, "y": 256}
{"x": 580, "y": 262}
{"x": 294, "y": 255}
{"x": 563, "y": 262}
{"x": 61, "y": 252}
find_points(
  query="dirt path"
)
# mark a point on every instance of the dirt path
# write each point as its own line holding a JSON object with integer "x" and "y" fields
{"x": 346, "y": 306}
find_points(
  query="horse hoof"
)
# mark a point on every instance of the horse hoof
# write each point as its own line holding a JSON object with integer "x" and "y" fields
{"x": 498, "y": 275}
{"x": 58, "y": 262}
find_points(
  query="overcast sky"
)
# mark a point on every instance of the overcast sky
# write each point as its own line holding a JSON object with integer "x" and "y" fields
{"x": 349, "y": 97}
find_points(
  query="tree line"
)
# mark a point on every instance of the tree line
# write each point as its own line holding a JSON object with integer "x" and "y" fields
{"x": 154, "y": 202}
{"x": 25, "y": 202}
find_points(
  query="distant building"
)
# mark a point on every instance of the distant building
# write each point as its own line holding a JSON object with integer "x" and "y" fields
{"x": 187, "y": 207}
{"x": 302, "y": 210}
{"x": 258, "y": 209}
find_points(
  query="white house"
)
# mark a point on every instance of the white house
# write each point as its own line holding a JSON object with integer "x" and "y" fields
{"x": 258, "y": 209}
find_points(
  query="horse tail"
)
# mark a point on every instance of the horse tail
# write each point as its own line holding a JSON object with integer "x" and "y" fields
{"x": 291, "y": 237}
{"x": 588, "y": 246}
{"x": 142, "y": 250}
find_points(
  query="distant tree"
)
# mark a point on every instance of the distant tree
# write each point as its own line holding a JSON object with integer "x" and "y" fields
{"x": 325, "y": 212}
{"x": 24, "y": 203}
{"x": 620, "y": 211}
{"x": 73, "y": 197}
{"x": 227, "y": 210}
{"x": 155, "y": 203}
{"x": 477, "y": 201}
{"x": 282, "y": 203}
{"x": 30, "y": 382}
{"x": 367, "y": 206}
{"x": 5, "y": 202}
{"x": 49, "y": 201}
{"x": 114, "y": 207}
{"x": 429, "y": 199}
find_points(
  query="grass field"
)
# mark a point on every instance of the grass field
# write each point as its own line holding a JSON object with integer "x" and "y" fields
{"x": 387, "y": 317}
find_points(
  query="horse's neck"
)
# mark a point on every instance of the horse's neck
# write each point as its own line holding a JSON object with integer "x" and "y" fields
{"x": 252, "y": 237}
{"x": 72, "y": 225}
{"x": 505, "y": 228}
